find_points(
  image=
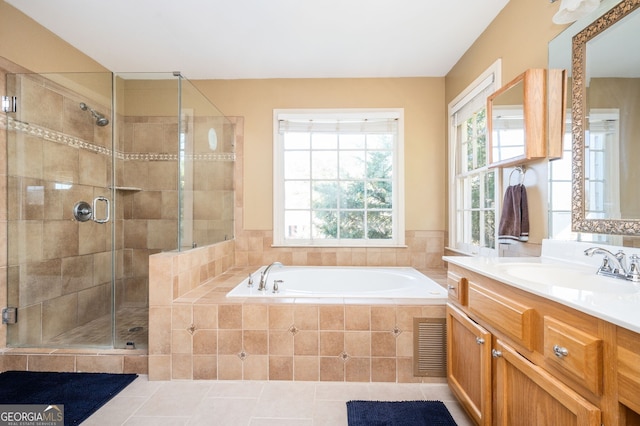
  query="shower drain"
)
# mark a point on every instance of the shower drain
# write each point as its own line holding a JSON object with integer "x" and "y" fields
{"x": 135, "y": 329}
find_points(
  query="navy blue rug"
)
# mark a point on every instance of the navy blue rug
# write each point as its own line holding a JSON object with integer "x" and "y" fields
{"x": 398, "y": 413}
{"x": 80, "y": 393}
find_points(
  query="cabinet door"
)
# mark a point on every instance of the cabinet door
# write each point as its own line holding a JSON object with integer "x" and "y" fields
{"x": 469, "y": 364}
{"x": 528, "y": 395}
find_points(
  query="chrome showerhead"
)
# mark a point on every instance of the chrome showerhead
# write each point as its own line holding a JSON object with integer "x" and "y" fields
{"x": 101, "y": 120}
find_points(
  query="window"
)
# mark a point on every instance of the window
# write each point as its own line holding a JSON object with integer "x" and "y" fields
{"x": 338, "y": 178}
{"x": 473, "y": 190}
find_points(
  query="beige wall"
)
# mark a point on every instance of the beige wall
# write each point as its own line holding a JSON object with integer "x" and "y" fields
{"x": 421, "y": 99}
{"x": 27, "y": 43}
{"x": 519, "y": 35}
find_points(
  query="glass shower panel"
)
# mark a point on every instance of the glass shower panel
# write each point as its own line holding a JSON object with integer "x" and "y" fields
{"x": 206, "y": 160}
{"x": 59, "y": 153}
{"x": 147, "y": 106}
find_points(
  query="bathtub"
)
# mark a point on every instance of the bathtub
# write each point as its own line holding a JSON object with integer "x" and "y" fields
{"x": 344, "y": 282}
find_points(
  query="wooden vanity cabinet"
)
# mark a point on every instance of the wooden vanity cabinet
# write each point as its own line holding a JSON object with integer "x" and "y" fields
{"x": 526, "y": 394}
{"x": 469, "y": 364}
{"x": 628, "y": 369}
{"x": 517, "y": 359}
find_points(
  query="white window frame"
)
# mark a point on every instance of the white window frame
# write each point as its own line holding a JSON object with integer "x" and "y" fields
{"x": 398, "y": 239}
{"x": 492, "y": 76}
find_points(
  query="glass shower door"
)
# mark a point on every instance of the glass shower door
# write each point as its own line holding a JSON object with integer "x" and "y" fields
{"x": 61, "y": 261}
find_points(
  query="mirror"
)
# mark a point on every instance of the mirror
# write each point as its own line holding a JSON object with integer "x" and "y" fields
{"x": 605, "y": 112}
{"x": 517, "y": 120}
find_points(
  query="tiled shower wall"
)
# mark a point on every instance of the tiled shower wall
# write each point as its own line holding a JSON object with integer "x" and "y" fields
{"x": 60, "y": 266}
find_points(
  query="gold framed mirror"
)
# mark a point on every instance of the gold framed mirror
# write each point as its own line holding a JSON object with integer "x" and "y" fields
{"x": 606, "y": 123}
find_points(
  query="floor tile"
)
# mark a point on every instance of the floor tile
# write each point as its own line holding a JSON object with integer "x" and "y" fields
{"x": 256, "y": 403}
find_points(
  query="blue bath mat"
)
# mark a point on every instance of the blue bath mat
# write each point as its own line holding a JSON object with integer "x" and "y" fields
{"x": 398, "y": 413}
{"x": 80, "y": 393}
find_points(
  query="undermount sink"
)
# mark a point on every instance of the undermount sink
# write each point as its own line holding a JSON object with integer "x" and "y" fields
{"x": 567, "y": 276}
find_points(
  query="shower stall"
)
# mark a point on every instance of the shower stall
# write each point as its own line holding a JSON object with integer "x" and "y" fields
{"x": 104, "y": 170}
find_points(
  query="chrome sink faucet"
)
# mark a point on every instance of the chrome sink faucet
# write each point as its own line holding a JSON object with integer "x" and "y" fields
{"x": 615, "y": 265}
{"x": 263, "y": 276}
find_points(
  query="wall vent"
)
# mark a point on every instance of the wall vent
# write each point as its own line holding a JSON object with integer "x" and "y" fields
{"x": 430, "y": 347}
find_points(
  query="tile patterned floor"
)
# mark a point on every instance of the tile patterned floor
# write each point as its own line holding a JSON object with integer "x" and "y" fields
{"x": 255, "y": 403}
{"x": 132, "y": 326}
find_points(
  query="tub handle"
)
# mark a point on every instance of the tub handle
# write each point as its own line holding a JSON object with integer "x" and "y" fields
{"x": 250, "y": 282}
{"x": 276, "y": 284}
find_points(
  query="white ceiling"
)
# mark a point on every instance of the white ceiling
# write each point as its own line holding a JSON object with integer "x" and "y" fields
{"x": 231, "y": 39}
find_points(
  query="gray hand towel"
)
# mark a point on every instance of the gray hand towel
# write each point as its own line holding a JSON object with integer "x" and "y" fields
{"x": 514, "y": 221}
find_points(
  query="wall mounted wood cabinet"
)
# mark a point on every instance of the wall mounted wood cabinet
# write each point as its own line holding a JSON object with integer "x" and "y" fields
{"x": 517, "y": 120}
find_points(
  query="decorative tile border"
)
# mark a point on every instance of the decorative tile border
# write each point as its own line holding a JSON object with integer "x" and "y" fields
{"x": 72, "y": 141}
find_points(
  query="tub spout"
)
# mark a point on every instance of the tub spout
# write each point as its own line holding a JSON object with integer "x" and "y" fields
{"x": 263, "y": 276}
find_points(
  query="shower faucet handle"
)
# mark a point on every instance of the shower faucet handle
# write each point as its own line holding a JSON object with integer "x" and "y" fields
{"x": 250, "y": 282}
{"x": 276, "y": 285}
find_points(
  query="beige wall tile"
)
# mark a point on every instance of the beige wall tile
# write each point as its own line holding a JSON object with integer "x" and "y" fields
{"x": 255, "y": 342}
{"x": 136, "y": 364}
{"x": 331, "y": 317}
{"x": 181, "y": 366}
{"x": 159, "y": 331}
{"x": 331, "y": 369}
{"x": 383, "y": 318}
{"x": 205, "y": 316}
{"x": 159, "y": 367}
{"x": 383, "y": 369}
{"x": 100, "y": 364}
{"x": 181, "y": 317}
{"x": 229, "y": 367}
{"x": 306, "y": 343}
{"x": 331, "y": 343}
{"x": 57, "y": 363}
{"x": 357, "y": 343}
{"x": 306, "y": 368}
{"x": 383, "y": 343}
{"x": 256, "y": 367}
{"x": 255, "y": 317}
{"x": 14, "y": 362}
{"x": 280, "y": 317}
{"x": 205, "y": 342}
{"x": 405, "y": 315}
{"x": 280, "y": 367}
{"x": 357, "y": 317}
{"x": 306, "y": 317}
{"x": 181, "y": 342}
{"x": 229, "y": 342}
{"x": 405, "y": 371}
{"x": 280, "y": 342}
{"x": 230, "y": 316}
{"x": 358, "y": 369}
{"x": 205, "y": 367}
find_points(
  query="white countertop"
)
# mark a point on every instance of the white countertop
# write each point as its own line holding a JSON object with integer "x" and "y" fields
{"x": 570, "y": 283}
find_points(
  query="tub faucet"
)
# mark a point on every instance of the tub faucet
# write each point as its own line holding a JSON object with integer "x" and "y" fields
{"x": 263, "y": 276}
{"x": 613, "y": 265}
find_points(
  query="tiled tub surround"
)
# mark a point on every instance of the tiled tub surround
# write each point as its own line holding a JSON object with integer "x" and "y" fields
{"x": 200, "y": 334}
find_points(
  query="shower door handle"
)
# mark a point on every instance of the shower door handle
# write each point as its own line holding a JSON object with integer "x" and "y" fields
{"x": 108, "y": 208}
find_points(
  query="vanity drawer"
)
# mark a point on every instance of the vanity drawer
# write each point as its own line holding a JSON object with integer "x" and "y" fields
{"x": 457, "y": 287}
{"x": 503, "y": 313}
{"x": 629, "y": 368}
{"x": 573, "y": 353}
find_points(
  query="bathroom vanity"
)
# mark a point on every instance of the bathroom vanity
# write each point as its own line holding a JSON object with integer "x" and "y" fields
{"x": 541, "y": 341}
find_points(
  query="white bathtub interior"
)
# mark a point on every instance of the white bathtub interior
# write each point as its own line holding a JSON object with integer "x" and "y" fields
{"x": 342, "y": 282}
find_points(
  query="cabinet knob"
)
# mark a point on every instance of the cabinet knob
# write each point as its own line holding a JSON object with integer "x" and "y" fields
{"x": 479, "y": 340}
{"x": 451, "y": 287}
{"x": 559, "y": 351}
{"x": 496, "y": 353}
